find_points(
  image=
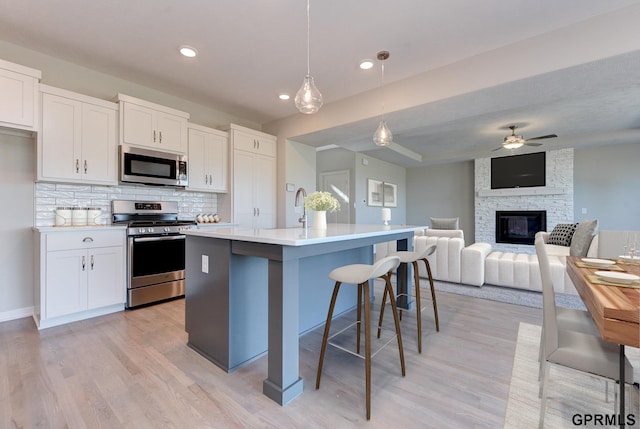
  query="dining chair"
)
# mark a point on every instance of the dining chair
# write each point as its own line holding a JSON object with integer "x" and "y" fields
{"x": 359, "y": 274}
{"x": 571, "y": 349}
{"x": 567, "y": 319}
{"x": 413, "y": 257}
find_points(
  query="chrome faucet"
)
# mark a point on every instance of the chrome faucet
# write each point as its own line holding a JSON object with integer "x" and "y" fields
{"x": 303, "y": 218}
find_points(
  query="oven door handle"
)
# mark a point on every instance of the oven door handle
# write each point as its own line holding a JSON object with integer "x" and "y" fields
{"x": 163, "y": 238}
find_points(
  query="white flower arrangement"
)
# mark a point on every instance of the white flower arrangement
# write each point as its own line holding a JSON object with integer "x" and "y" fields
{"x": 321, "y": 201}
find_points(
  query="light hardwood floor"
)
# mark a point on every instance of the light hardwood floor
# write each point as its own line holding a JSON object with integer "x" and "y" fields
{"x": 133, "y": 369}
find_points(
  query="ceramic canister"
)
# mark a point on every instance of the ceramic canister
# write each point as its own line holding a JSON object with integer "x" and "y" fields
{"x": 79, "y": 216}
{"x": 94, "y": 216}
{"x": 63, "y": 216}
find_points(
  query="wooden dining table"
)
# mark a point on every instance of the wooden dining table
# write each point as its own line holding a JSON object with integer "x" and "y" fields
{"x": 614, "y": 309}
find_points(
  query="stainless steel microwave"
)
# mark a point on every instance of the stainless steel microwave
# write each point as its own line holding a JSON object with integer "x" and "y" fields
{"x": 150, "y": 167}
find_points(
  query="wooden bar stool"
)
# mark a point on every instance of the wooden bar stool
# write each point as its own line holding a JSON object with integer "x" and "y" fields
{"x": 359, "y": 274}
{"x": 407, "y": 257}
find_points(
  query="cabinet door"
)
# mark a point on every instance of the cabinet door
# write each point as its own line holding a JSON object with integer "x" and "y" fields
{"x": 61, "y": 137}
{"x": 245, "y": 141}
{"x": 105, "y": 267}
{"x": 138, "y": 125}
{"x": 217, "y": 157}
{"x": 17, "y": 100}
{"x": 171, "y": 132}
{"x": 244, "y": 209}
{"x": 99, "y": 144}
{"x": 198, "y": 176}
{"x": 66, "y": 282}
{"x": 264, "y": 190}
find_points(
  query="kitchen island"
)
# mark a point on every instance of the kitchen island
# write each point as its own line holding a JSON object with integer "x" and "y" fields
{"x": 250, "y": 291}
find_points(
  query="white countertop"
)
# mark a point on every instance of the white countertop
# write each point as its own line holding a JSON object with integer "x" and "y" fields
{"x": 298, "y": 236}
{"x": 78, "y": 228}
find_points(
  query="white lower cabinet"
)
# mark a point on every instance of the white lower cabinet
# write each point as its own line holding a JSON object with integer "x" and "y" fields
{"x": 81, "y": 275}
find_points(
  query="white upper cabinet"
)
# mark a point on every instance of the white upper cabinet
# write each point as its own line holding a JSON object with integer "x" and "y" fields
{"x": 152, "y": 126}
{"x": 78, "y": 141}
{"x": 208, "y": 159}
{"x": 252, "y": 201}
{"x": 18, "y": 96}
{"x": 254, "y": 141}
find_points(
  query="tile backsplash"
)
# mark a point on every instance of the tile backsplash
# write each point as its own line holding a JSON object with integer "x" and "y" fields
{"x": 49, "y": 196}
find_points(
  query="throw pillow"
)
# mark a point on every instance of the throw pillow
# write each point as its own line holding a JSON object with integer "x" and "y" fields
{"x": 561, "y": 234}
{"x": 444, "y": 223}
{"x": 582, "y": 237}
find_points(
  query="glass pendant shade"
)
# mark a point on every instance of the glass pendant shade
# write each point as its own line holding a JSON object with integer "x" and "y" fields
{"x": 308, "y": 98}
{"x": 383, "y": 136}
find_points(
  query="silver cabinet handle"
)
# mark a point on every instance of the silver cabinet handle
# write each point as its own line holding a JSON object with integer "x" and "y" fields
{"x": 84, "y": 263}
{"x": 258, "y": 144}
{"x": 210, "y": 180}
{"x": 85, "y": 166}
{"x": 154, "y": 136}
{"x": 77, "y": 165}
{"x": 205, "y": 179}
{"x": 160, "y": 134}
{"x": 91, "y": 262}
{"x": 258, "y": 209}
{"x": 87, "y": 240}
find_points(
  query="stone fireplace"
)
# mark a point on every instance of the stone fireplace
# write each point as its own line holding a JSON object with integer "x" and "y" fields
{"x": 556, "y": 199}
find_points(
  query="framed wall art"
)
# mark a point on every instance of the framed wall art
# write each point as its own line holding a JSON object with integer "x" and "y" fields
{"x": 375, "y": 193}
{"x": 390, "y": 194}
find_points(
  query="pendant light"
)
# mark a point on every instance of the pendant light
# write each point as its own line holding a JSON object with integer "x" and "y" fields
{"x": 383, "y": 136}
{"x": 308, "y": 99}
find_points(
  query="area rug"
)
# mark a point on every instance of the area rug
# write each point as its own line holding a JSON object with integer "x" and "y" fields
{"x": 575, "y": 399}
{"x": 509, "y": 295}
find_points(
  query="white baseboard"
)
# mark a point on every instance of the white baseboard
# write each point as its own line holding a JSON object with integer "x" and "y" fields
{"x": 18, "y": 313}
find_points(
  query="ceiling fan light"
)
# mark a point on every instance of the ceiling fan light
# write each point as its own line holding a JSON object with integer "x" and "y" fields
{"x": 383, "y": 136}
{"x": 308, "y": 98}
{"x": 513, "y": 142}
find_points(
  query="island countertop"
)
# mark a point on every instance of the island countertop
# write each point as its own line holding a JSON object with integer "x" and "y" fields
{"x": 298, "y": 236}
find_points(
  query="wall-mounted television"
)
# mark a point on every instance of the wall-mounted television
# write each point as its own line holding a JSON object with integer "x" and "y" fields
{"x": 518, "y": 171}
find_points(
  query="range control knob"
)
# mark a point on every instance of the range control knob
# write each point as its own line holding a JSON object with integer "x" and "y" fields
{"x": 150, "y": 230}
{"x": 167, "y": 229}
{"x": 141, "y": 230}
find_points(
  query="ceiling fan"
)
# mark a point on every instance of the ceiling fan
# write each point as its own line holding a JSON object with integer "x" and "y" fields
{"x": 514, "y": 141}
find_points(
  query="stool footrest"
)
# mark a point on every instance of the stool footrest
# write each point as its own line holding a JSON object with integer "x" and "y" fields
{"x": 377, "y": 344}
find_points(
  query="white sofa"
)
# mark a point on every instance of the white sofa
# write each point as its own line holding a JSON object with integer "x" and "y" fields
{"x": 477, "y": 264}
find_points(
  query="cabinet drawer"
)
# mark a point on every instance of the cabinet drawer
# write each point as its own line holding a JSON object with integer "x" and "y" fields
{"x": 84, "y": 239}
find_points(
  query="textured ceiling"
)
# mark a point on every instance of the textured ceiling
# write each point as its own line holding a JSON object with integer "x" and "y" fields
{"x": 251, "y": 51}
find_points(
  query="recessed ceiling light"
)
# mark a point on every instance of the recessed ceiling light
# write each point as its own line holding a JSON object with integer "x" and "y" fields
{"x": 366, "y": 64}
{"x": 284, "y": 97}
{"x": 188, "y": 51}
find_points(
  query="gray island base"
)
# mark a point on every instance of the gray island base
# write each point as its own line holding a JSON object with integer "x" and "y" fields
{"x": 251, "y": 291}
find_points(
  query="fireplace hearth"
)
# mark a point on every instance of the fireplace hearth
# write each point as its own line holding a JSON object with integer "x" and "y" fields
{"x": 519, "y": 227}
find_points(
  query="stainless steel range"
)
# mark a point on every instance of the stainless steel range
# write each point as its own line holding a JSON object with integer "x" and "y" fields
{"x": 155, "y": 250}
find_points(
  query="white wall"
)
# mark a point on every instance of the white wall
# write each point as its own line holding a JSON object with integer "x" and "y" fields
{"x": 385, "y": 172}
{"x": 17, "y": 171}
{"x": 607, "y": 186}
{"x": 297, "y": 167}
{"x": 442, "y": 190}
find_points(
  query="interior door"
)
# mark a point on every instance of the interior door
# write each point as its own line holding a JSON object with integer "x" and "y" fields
{"x": 337, "y": 182}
